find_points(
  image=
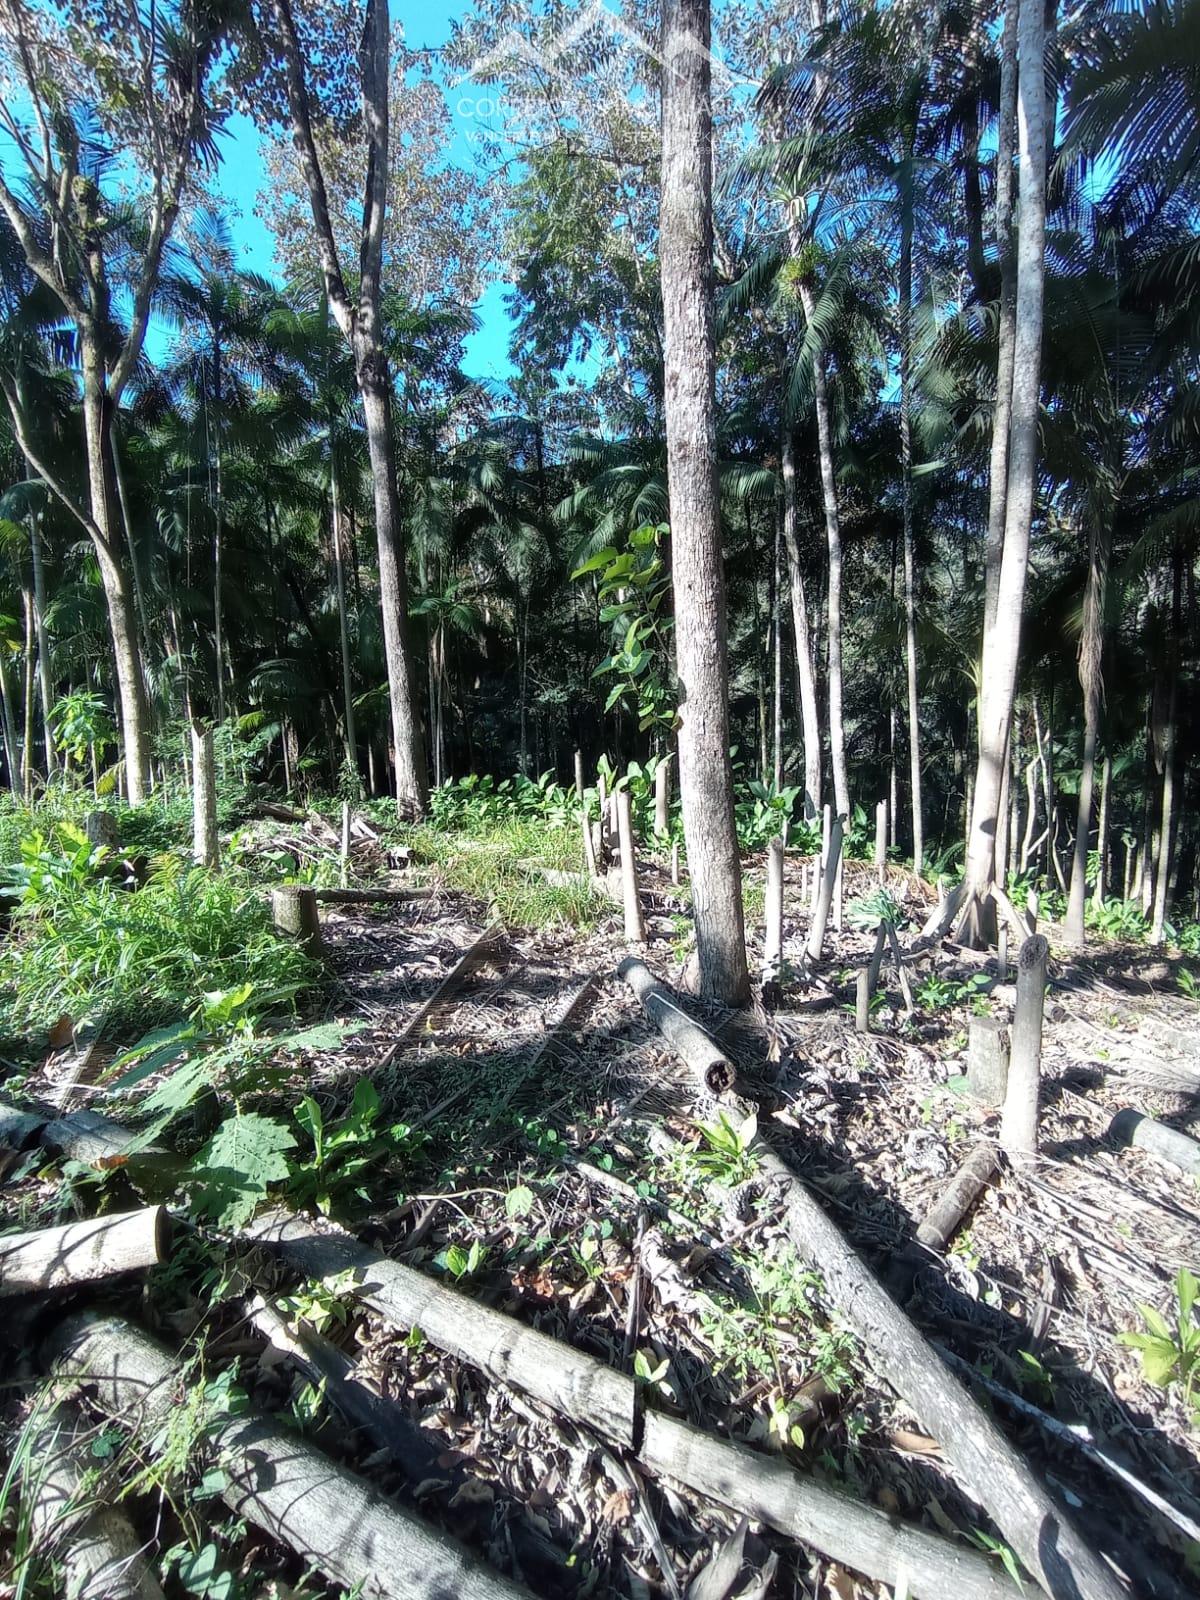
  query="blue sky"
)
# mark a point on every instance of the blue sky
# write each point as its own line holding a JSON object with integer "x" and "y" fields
{"x": 426, "y": 26}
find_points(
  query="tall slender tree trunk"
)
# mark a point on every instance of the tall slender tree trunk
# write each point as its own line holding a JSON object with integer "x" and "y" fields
{"x": 12, "y": 749}
{"x": 339, "y": 569}
{"x": 114, "y": 577}
{"x": 686, "y": 248}
{"x": 1100, "y": 892}
{"x": 1162, "y": 874}
{"x": 1091, "y": 681}
{"x": 45, "y": 663}
{"x": 833, "y": 536}
{"x": 374, "y": 386}
{"x": 910, "y": 578}
{"x": 806, "y": 678}
{"x": 777, "y": 660}
{"x": 30, "y": 654}
{"x": 1002, "y": 641}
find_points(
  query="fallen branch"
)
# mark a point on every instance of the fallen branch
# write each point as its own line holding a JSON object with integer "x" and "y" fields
{"x": 1130, "y": 1127}
{"x": 700, "y": 1053}
{"x": 369, "y": 897}
{"x": 490, "y": 947}
{"x": 941, "y": 1224}
{"x": 580, "y": 1387}
{"x": 989, "y": 1468}
{"x": 100, "y": 1556}
{"x": 81, "y": 1252}
{"x": 295, "y": 1493}
{"x": 550, "y": 1371}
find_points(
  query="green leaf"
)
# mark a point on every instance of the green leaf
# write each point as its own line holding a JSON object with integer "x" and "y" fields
{"x": 594, "y": 563}
{"x": 518, "y": 1202}
{"x": 235, "y": 1168}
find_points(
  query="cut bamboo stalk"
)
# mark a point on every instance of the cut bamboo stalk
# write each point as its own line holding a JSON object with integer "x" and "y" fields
{"x": 589, "y": 851}
{"x": 82, "y": 1252}
{"x": 862, "y": 1001}
{"x": 987, "y": 1060}
{"x": 205, "y": 846}
{"x": 295, "y": 1493}
{"x": 100, "y": 1556}
{"x": 824, "y": 897}
{"x": 711, "y": 1067}
{"x": 819, "y": 863}
{"x": 881, "y": 833}
{"x": 941, "y": 918}
{"x": 1002, "y": 953}
{"x": 772, "y": 963}
{"x": 859, "y": 1536}
{"x": 369, "y": 897}
{"x": 635, "y": 930}
{"x": 295, "y": 915}
{"x": 986, "y": 1464}
{"x": 1130, "y": 1127}
{"x": 944, "y": 1218}
{"x": 1019, "y": 1121}
{"x": 491, "y": 948}
{"x": 876, "y": 961}
{"x": 662, "y": 797}
{"x": 554, "y": 1373}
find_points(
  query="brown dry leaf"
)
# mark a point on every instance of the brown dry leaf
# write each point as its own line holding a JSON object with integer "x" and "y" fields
{"x": 915, "y": 1444}
{"x": 618, "y": 1508}
{"x": 472, "y": 1493}
{"x": 61, "y": 1033}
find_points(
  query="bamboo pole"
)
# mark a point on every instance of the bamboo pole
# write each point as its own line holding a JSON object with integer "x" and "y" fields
{"x": 824, "y": 898}
{"x": 1019, "y": 1122}
{"x": 294, "y": 1492}
{"x": 100, "y": 1555}
{"x": 772, "y": 963}
{"x": 589, "y": 850}
{"x": 635, "y": 928}
{"x": 709, "y": 1064}
{"x": 82, "y": 1252}
{"x": 662, "y": 797}
{"x": 1130, "y": 1127}
{"x": 944, "y": 1217}
{"x": 881, "y": 827}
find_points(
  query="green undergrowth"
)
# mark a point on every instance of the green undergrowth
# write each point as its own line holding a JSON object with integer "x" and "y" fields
{"x": 499, "y": 862}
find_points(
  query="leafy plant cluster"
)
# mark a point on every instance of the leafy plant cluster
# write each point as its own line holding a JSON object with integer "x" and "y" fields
{"x": 84, "y": 945}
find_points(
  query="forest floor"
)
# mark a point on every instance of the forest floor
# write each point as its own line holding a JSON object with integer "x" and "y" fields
{"x": 557, "y": 1174}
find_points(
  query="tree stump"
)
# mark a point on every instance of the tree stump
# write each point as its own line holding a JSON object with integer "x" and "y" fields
{"x": 987, "y": 1060}
{"x": 101, "y": 830}
{"x": 635, "y": 929}
{"x": 1019, "y": 1124}
{"x": 295, "y": 914}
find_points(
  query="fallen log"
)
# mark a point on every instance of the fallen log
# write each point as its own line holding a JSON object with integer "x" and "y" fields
{"x": 561, "y": 1377}
{"x": 697, "y": 1049}
{"x": 940, "y": 1226}
{"x": 369, "y": 897}
{"x": 490, "y": 947}
{"x": 82, "y": 1252}
{"x": 988, "y": 1466}
{"x": 1130, "y": 1127}
{"x": 19, "y": 1129}
{"x": 295, "y": 1493}
{"x": 98, "y": 1141}
{"x": 875, "y": 1544}
{"x": 859, "y": 1536}
{"x": 99, "y": 1554}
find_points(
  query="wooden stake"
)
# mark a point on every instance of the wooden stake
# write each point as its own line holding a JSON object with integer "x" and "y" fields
{"x": 295, "y": 915}
{"x": 589, "y": 852}
{"x": 662, "y": 797}
{"x": 1002, "y": 953}
{"x": 881, "y": 835}
{"x": 876, "y": 961}
{"x": 345, "y": 842}
{"x": 820, "y": 920}
{"x": 82, "y": 1252}
{"x": 772, "y": 965}
{"x": 1019, "y": 1123}
{"x": 205, "y": 847}
{"x": 635, "y": 928}
{"x": 862, "y": 1001}
{"x": 839, "y": 878}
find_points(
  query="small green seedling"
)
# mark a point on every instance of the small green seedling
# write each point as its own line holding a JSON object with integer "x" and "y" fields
{"x": 1170, "y": 1355}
